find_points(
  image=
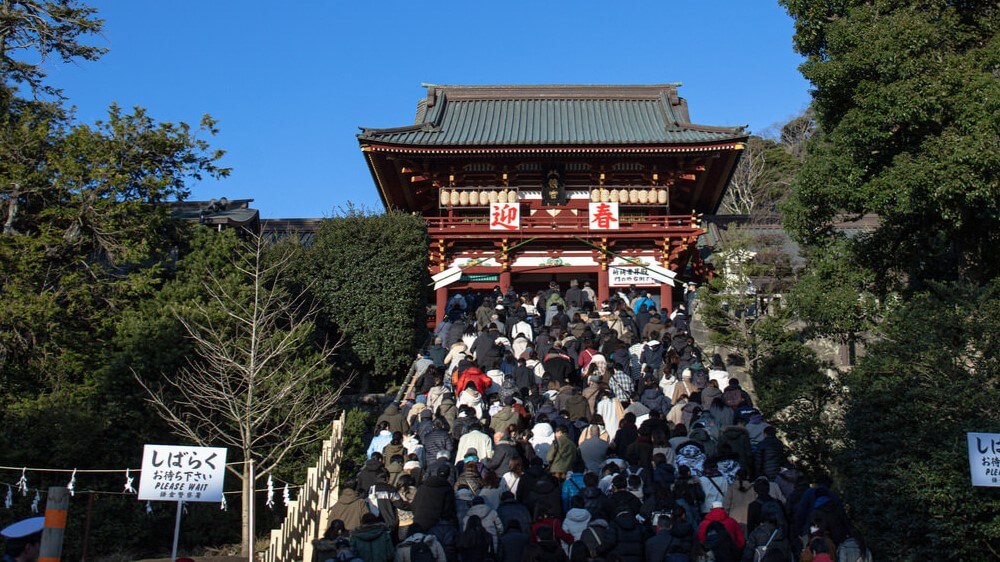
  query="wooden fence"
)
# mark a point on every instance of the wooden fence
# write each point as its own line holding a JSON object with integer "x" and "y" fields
{"x": 306, "y": 518}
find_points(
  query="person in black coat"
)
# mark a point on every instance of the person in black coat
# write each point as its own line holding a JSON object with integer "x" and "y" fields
{"x": 770, "y": 454}
{"x": 545, "y": 495}
{"x": 503, "y": 452}
{"x": 437, "y": 440}
{"x": 558, "y": 366}
{"x": 513, "y": 542}
{"x": 512, "y": 510}
{"x": 524, "y": 376}
{"x": 620, "y": 499}
{"x": 434, "y": 500}
{"x": 626, "y": 537}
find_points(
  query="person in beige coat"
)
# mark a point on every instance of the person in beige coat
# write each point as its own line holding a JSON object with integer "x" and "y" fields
{"x": 738, "y": 498}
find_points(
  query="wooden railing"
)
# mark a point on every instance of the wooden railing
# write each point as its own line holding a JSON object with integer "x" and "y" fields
{"x": 542, "y": 221}
{"x": 306, "y": 518}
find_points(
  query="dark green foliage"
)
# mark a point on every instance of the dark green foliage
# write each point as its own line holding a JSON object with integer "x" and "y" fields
{"x": 737, "y": 305}
{"x": 931, "y": 378}
{"x": 795, "y": 392}
{"x": 357, "y": 432}
{"x": 908, "y": 99}
{"x": 368, "y": 272}
{"x": 834, "y": 296}
{"x": 84, "y": 239}
{"x": 43, "y": 29}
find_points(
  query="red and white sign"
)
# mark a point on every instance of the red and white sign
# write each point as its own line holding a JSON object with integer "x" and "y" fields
{"x": 505, "y": 216}
{"x": 603, "y": 216}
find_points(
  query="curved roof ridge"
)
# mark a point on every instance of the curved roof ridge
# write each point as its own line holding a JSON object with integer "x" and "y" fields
{"x": 519, "y": 115}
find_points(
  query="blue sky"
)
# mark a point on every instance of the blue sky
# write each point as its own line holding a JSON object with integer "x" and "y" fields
{"x": 290, "y": 82}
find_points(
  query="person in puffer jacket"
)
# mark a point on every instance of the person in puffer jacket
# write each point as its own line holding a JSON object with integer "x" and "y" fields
{"x": 577, "y": 518}
{"x": 626, "y": 537}
{"x": 652, "y": 397}
{"x": 770, "y": 455}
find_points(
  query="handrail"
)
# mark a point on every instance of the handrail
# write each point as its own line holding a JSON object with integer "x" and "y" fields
{"x": 306, "y": 518}
{"x": 542, "y": 220}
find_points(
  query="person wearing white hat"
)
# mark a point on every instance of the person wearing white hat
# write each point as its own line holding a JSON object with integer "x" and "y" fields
{"x": 24, "y": 540}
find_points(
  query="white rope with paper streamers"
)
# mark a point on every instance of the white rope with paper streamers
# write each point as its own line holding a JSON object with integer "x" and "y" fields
{"x": 149, "y": 508}
{"x": 72, "y": 484}
{"x": 35, "y": 502}
{"x": 222, "y": 504}
{"x": 270, "y": 492}
{"x": 128, "y": 482}
{"x": 286, "y": 495}
{"x": 22, "y": 483}
{"x": 9, "y": 500}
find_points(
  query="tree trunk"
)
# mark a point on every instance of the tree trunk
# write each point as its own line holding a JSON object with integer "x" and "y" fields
{"x": 12, "y": 206}
{"x": 245, "y": 511}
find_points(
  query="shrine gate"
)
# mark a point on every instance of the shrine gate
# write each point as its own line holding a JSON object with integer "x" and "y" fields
{"x": 524, "y": 185}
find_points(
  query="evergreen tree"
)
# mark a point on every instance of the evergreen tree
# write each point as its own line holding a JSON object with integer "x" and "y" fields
{"x": 369, "y": 273}
{"x": 908, "y": 101}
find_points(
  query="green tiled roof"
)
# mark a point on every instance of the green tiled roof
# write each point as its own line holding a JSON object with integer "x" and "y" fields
{"x": 551, "y": 115}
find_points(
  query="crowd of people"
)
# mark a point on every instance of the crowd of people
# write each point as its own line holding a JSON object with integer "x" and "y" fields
{"x": 551, "y": 427}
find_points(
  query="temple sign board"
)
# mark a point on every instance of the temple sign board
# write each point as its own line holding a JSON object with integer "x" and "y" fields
{"x": 180, "y": 473}
{"x": 984, "y": 459}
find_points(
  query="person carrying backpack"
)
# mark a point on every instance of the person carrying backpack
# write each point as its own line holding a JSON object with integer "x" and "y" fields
{"x": 764, "y": 505}
{"x": 767, "y": 537}
{"x": 420, "y": 547}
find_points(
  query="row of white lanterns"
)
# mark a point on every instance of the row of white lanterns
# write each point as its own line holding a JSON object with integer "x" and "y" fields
{"x": 475, "y": 198}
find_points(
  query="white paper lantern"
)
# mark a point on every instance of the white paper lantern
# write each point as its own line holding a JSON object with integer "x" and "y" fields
{"x": 463, "y": 198}
{"x": 473, "y": 198}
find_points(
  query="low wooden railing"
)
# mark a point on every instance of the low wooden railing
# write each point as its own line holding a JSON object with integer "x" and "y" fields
{"x": 542, "y": 221}
{"x": 306, "y": 518}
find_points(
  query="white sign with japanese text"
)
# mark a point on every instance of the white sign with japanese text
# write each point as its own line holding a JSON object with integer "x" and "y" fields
{"x": 984, "y": 459}
{"x": 178, "y": 473}
{"x": 624, "y": 276}
{"x": 603, "y": 216}
{"x": 505, "y": 216}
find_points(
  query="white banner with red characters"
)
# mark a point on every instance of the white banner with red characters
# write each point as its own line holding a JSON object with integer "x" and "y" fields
{"x": 505, "y": 216}
{"x": 603, "y": 216}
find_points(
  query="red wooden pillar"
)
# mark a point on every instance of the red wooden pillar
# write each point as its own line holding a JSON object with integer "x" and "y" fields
{"x": 667, "y": 297}
{"x": 442, "y": 303}
{"x": 504, "y": 281}
{"x": 603, "y": 292}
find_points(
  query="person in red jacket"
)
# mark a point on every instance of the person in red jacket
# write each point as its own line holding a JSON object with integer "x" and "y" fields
{"x": 476, "y": 377}
{"x": 717, "y": 513}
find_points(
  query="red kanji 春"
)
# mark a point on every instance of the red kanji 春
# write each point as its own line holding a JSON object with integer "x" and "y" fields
{"x": 603, "y": 216}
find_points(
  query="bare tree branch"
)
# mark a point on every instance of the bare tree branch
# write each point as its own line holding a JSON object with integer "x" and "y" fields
{"x": 741, "y": 197}
{"x": 257, "y": 382}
